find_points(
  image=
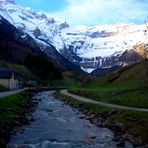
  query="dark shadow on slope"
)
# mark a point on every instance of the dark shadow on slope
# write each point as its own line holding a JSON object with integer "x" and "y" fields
{"x": 42, "y": 68}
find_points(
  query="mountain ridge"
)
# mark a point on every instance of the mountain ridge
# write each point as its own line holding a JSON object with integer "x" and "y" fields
{"x": 18, "y": 47}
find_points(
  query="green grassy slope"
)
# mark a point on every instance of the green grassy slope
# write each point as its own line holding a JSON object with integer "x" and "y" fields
{"x": 127, "y": 86}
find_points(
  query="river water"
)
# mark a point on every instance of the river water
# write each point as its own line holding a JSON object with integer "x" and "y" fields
{"x": 60, "y": 126}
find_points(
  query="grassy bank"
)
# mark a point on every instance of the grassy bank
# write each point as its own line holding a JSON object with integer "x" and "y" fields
{"x": 14, "y": 112}
{"x": 127, "y": 97}
{"x": 127, "y": 122}
{"x": 11, "y": 106}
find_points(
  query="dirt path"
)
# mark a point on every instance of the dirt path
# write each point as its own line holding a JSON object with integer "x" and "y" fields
{"x": 8, "y": 93}
{"x": 83, "y": 99}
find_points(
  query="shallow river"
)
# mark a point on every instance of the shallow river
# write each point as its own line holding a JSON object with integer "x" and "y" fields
{"x": 60, "y": 126}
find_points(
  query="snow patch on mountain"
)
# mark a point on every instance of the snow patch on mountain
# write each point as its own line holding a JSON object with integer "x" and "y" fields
{"x": 88, "y": 70}
{"x": 5, "y": 15}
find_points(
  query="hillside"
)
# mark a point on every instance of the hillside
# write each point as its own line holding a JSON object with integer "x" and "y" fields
{"x": 127, "y": 86}
{"x": 18, "y": 47}
{"x": 15, "y": 49}
{"x": 137, "y": 71}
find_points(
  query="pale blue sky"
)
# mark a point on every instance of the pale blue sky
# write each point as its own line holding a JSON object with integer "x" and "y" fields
{"x": 92, "y": 12}
{"x": 44, "y": 5}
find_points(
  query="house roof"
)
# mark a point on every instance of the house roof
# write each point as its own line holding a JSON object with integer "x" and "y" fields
{"x": 5, "y": 73}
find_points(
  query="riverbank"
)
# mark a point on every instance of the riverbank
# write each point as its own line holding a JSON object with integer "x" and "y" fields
{"x": 127, "y": 125}
{"x": 15, "y": 111}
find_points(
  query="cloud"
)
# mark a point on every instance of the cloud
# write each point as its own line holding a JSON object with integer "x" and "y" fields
{"x": 89, "y": 12}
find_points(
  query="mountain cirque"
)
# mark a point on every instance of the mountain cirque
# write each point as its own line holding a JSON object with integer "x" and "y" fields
{"x": 90, "y": 47}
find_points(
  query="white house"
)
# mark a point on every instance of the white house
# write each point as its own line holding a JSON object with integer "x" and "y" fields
{"x": 8, "y": 79}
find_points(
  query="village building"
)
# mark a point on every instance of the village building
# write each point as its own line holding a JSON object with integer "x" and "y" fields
{"x": 9, "y": 79}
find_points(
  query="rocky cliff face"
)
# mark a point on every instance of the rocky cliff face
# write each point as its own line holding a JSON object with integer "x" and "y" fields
{"x": 141, "y": 49}
{"x": 90, "y": 47}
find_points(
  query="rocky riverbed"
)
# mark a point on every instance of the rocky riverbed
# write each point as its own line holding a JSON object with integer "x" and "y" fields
{"x": 58, "y": 125}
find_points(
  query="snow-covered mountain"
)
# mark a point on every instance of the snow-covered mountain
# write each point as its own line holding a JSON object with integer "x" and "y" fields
{"x": 18, "y": 45}
{"x": 94, "y": 46}
{"x": 90, "y": 47}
